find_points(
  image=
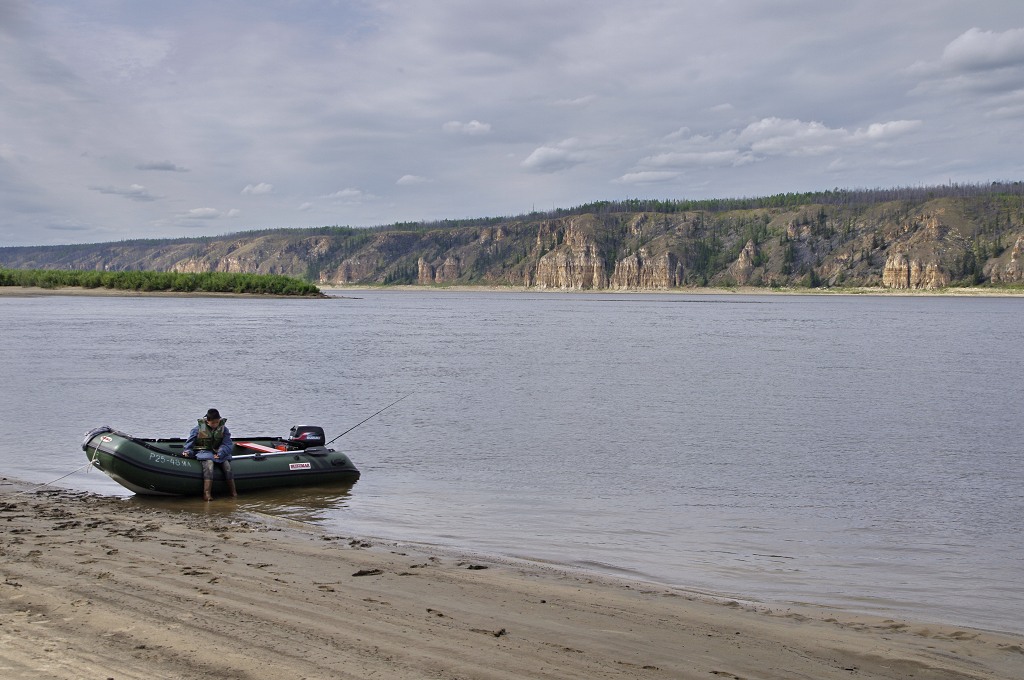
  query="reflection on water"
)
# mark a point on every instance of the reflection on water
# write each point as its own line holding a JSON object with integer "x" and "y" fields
{"x": 313, "y": 504}
{"x": 309, "y": 504}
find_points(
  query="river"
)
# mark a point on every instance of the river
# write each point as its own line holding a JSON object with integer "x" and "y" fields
{"x": 861, "y": 452}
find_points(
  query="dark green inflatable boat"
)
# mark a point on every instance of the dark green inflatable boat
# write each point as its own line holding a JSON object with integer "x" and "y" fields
{"x": 156, "y": 467}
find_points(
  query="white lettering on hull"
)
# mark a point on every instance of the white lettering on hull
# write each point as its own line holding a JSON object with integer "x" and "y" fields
{"x": 161, "y": 459}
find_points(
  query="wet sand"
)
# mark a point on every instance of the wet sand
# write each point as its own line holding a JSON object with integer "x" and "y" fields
{"x": 102, "y": 587}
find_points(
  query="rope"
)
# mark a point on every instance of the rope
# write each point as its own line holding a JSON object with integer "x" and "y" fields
{"x": 37, "y": 486}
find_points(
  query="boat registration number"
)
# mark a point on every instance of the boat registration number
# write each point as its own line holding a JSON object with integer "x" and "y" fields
{"x": 299, "y": 466}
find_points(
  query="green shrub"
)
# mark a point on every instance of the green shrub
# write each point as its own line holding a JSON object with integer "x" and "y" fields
{"x": 207, "y": 282}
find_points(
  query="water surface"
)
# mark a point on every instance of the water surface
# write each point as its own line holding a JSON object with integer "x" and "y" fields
{"x": 861, "y": 452}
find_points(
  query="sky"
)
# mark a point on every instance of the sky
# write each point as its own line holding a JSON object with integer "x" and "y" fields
{"x": 122, "y": 119}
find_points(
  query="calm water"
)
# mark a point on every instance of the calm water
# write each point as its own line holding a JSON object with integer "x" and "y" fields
{"x": 863, "y": 452}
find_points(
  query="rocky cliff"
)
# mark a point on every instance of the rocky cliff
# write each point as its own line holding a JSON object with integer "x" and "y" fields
{"x": 1007, "y": 268}
{"x": 925, "y": 241}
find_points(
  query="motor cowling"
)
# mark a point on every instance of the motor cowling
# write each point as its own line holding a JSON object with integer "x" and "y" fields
{"x": 305, "y": 436}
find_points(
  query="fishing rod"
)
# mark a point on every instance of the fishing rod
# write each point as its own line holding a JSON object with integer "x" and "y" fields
{"x": 365, "y": 419}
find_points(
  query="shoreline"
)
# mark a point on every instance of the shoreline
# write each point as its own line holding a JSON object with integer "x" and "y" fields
{"x": 739, "y": 290}
{"x": 23, "y": 291}
{"x": 97, "y": 586}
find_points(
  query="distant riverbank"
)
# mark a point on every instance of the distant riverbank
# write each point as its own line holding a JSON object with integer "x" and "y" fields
{"x": 338, "y": 291}
{"x": 736, "y": 290}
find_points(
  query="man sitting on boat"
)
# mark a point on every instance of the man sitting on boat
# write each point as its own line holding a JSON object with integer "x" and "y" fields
{"x": 211, "y": 443}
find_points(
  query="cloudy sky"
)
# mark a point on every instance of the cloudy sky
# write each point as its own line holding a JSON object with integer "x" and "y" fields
{"x": 123, "y": 119}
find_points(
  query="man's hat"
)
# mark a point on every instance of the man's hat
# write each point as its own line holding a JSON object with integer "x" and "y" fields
{"x": 213, "y": 414}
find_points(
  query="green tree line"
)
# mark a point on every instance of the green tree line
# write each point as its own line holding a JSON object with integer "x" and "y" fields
{"x": 148, "y": 281}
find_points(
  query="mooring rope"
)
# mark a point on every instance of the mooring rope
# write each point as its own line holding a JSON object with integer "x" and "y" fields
{"x": 37, "y": 486}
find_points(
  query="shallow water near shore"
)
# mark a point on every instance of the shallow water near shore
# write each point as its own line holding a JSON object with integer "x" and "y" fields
{"x": 858, "y": 452}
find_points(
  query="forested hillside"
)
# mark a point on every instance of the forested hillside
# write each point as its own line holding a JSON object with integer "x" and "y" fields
{"x": 914, "y": 238}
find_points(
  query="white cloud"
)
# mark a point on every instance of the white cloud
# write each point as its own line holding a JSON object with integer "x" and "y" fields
{"x": 473, "y": 128}
{"x": 202, "y": 214}
{"x": 766, "y": 141}
{"x": 648, "y": 177}
{"x": 135, "y": 192}
{"x": 350, "y": 196}
{"x": 880, "y": 131}
{"x": 778, "y": 136}
{"x": 979, "y": 61}
{"x": 411, "y": 180}
{"x": 349, "y": 192}
{"x": 978, "y": 50}
{"x": 260, "y": 189}
{"x": 720, "y": 158}
{"x": 551, "y": 159}
{"x": 681, "y": 133}
{"x": 771, "y": 137}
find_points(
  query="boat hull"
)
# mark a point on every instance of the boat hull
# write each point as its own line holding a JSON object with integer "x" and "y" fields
{"x": 156, "y": 467}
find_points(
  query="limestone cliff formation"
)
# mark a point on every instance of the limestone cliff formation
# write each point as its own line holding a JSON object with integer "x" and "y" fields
{"x": 743, "y": 268}
{"x": 914, "y": 239}
{"x": 1009, "y": 267}
{"x": 644, "y": 271}
{"x": 447, "y": 271}
{"x": 906, "y": 272}
{"x": 574, "y": 261}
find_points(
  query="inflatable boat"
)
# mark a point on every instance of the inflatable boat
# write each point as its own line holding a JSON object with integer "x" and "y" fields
{"x": 157, "y": 467}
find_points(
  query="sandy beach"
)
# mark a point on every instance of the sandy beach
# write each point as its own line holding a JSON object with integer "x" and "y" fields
{"x": 102, "y": 587}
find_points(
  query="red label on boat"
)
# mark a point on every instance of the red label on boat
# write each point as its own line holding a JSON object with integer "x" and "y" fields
{"x": 106, "y": 439}
{"x": 299, "y": 466}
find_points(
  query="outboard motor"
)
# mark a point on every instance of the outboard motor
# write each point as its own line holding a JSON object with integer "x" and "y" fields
{"x": 305, "y": 436}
